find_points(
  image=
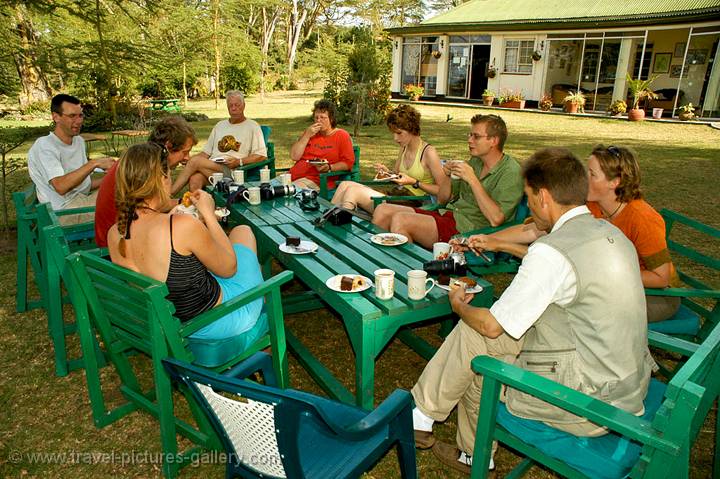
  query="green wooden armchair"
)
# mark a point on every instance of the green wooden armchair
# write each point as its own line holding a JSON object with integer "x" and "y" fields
{"x": 352, "y": 175}
{"x": 28, "y": 249}
{"x": 252, "y": 171}
{"x": 656, "y": 445}
{"x": 54, "y": 247}
{"x": 699, "y": 312}
{"x": 297, "y": 434}
{"x": 131, "y": 315}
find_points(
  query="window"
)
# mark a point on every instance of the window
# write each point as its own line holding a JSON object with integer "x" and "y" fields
{"x": 518, "y": 56}
{"x": 645, "y": 61}
{"x": 419, "y": 66}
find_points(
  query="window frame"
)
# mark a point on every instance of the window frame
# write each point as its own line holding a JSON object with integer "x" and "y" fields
{"x": 520, "y": 50}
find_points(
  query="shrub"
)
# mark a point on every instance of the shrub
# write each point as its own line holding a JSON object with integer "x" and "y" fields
{"x": 618, "y": 107}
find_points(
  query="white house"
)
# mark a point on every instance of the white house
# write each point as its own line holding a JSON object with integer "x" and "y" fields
{"x": 551, "y": 47}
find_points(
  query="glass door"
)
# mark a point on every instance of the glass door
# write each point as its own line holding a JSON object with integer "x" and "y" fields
{"x": 458, "y": 71}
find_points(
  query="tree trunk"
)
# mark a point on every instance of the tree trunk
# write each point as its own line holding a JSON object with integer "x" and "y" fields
{"x": 185, "y": 92}
{"x": 268, "y": 29}
{"x": 32, "y": 78}
{"x": 216, "y": 46}
{"x": 294, "y": 31}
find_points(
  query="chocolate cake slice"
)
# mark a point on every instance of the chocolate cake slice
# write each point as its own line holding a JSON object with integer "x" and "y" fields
{"x": 346, "y": 283}
{"x": 443, "y": 279}
{"x": 292, "y": 241}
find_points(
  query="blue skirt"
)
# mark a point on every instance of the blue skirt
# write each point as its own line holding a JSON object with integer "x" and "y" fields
{"x": 245, "y": 318}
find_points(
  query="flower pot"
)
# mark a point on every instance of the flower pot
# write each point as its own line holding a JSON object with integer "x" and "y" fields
{"x": 571, "y": 107}
{"x": 657, "y": 113}
{"x": 513, "y": 104}
{"x": 686, "y": 115}
{"x": 488, "y": 100}
{"x": 636, "y": 114}
{"x": 414, "y": 97}
{"x": 545, "y": 106}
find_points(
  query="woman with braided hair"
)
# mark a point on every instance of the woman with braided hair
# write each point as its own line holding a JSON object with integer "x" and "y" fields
{"x": 201, "y": 265}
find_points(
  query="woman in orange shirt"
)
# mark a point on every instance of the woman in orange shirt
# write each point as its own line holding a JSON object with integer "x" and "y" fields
{"x": 614, "y": 194}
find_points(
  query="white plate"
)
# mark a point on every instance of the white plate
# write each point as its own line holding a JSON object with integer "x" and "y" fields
{"x": 304, "y": 248}
{"x": 317, "y": 162}
{"x": 221, "y": 212}
{"x": 219, "y": 159}
{"x": 387, "y": 178}
{"x": 188, "y": 210}
{"x": 474, "y": 290}
{"x": 388, "y": 239}
{"x": 334, "y": 283}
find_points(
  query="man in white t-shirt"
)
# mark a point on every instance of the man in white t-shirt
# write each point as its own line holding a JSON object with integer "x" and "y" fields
{"x": 58, "y": 164}
{"x": 237, "y": 141}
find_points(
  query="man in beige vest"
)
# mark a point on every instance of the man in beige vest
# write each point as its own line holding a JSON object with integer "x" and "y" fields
{"x": 576, "y": 303}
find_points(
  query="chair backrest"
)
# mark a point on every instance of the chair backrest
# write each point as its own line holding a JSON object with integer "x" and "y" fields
{"x": 522, "y": 210}
{"x": 356, "y": 166}
{"x": 128, "y": 309}
{"x": 692, "y": 263}
{"x": 689, "y": 396}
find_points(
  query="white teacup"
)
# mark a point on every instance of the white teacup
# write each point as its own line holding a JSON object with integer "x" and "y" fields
{"x": 441, "y": 248}
{"x": 252, "y": 195}
{"x": 265, "y": 175}
{"x": 215, "y": 178}
{"x": 417, "y": 284}
{"x": 238, "y": 176}
{"x": 285, "y": 179}
{"x": 384, "y": 283}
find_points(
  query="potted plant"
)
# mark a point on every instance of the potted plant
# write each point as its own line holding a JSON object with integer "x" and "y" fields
{"x": 639, "y": 90}
{"x": 575, "y": 102}
{"x": 545, "y": 103}
{"x": 512, "y": 99}
{"x": 488, "y": 97}
{"x": 687, "y": 112}
{"x": 414, "y": 92}
{"x": 617, "y": 108}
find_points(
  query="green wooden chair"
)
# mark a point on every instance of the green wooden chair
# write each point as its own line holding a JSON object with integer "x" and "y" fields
{"x": 352, "y": 175}
{"x": 131, "y": 315}
{"x": 54, "y": 248}
{"x": 28, "y": 251}
{"x": 699, "y": 312}
{"x": 655, "y": 445}
{"x": 252, "y": 171}
{"x": 297, "y": 434}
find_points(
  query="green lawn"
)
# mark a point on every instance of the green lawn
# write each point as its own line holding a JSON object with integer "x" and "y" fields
{"x": 42, "y": 413}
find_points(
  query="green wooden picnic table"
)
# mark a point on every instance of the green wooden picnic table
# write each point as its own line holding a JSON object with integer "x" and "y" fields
{"x": 371, "y": 323}
{"x": 165, "y": 104}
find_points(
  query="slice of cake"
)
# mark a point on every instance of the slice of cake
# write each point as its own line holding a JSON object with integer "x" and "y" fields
{"x": 293, "y": 241}
{"x": 346, "y": 283}
{"x": 443, "y": 279}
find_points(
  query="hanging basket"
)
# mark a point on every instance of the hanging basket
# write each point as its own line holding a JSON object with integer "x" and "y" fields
{"x": 537, "y": 55}
{"x": 436, "y": 54}
{"x": 491, "y": 72}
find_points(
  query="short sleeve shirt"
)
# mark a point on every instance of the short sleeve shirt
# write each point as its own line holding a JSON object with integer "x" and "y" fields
{"x": 503, "y": 183}
{"x": 335, "y": 148}
{"x": 236, "y": 139}
{"x": 50, "y": 158}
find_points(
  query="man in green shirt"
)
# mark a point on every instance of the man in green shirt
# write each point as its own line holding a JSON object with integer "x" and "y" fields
{"x": 486, "y": 192}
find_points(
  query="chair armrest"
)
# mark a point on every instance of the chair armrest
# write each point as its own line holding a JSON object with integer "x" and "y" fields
{"x": 259, "y": 361}
{"x": 74, "y": 211}
{"x": 271, "y": 285}
{"x": 573, "y": 401}
{"x": 683, "y": 292}
{"x": 671, "y": 343}
{"x": 374, "y": 421}
{"x": 382, "y": 199}
{"x": 257, "y": 164}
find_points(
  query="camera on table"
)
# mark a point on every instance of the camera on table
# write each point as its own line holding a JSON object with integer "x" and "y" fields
{"x": 223, "y": 186}
{"x": 308, "y": 200}
{"x": 268, "y": 191}
{"x": 236, "y": 195}
{"x": 455, "y": 265}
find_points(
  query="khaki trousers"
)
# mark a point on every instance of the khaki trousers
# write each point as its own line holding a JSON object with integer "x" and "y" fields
{"x": 448, "y": 381}
{"x": 78, "y": 202}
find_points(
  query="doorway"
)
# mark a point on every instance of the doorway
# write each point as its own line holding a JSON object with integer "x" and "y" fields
{"x": 467, "y": 74}
{"x": 478, "y": 70}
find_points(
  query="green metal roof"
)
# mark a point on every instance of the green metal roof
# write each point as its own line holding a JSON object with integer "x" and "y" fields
{"x": 541, "y": 14}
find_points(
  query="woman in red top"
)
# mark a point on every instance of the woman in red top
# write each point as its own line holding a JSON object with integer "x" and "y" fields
{"x": 321, "y": 141}
{"x": 614, "y": 194}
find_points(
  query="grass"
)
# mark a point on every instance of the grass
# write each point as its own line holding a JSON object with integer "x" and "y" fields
{"x": 43, "y": 413}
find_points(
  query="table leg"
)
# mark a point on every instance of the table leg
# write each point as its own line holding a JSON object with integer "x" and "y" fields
{"x": 365, "y": 367}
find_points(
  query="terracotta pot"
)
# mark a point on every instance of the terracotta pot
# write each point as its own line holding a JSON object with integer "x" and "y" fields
{"x": 513, "y": 104}
{"x": 636, "y": 114}
{"x": 686, "y": 115}
{"x": 488, "y": 100}
{"x": 414, "y": 98}
{"x": 571, "y": 107}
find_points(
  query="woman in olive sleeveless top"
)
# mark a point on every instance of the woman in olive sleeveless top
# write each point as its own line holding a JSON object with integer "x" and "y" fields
{"x": 417, "y": 170}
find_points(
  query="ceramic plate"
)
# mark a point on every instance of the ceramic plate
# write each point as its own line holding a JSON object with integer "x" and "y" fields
{"x": 334, "y": 283}
{"x": 386, "y": 178}
{"x": 317, "y": 162}
{"x": 221, "y": 212}
{"x": 388, "y": 239}
{"x": 473, "y": 290}
{"x": 219, "y": 159}
{"x": 304, "y": 248}
{"x": 188, "y": 210}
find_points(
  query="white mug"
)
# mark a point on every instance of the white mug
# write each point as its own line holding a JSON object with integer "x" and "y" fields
{"x": 265, "y": 175}
{"x": 215, "y": 178}
{"x": 453, "y": 176}
{"x": 417, "y": 284}
{"x": 238, "y": 176}
{"x": 252, "y": 195}
{"x": 384, "y": 283}
{"x": 441, "y": 248}
{"x": 286, "y": 179}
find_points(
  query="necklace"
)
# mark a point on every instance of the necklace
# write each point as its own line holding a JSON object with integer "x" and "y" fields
{"x": 616, "y": 211}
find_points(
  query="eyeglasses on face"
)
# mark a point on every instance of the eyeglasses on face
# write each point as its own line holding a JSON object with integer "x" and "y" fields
{"x": 475, "y": 136}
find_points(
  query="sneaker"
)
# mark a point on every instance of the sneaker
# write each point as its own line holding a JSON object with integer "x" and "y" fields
{"x": 424, "y": 439}
{"x": 455, "y": 458}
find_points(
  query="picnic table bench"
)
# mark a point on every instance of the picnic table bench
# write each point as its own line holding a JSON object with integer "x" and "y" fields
{"x": 164, "y": 104}
{"x": 371, "y": 323}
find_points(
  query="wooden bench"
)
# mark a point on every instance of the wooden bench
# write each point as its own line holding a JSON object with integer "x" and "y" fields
{"x": 694, "y": 250}
{"x": 131, "y": 315}
{"x": 656, "y": 445}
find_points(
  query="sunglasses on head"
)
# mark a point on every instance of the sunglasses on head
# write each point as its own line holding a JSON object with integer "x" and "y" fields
{"x": 614, "y": 151}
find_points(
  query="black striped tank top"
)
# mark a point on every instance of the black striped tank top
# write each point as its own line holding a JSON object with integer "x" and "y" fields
{"x": 193, "y": 290}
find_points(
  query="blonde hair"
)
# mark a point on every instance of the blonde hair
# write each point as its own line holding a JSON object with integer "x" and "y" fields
{"x": 140, "y": 176}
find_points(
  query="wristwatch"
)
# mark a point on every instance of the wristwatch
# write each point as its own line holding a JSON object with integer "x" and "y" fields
{"x": 416, "y": 184}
